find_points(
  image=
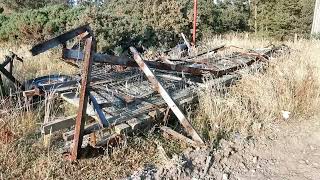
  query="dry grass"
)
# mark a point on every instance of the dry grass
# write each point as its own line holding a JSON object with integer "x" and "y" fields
{"x": 290, "y": 84}
{"x": 44, "y": 64}
{"x": 257, "y": 101}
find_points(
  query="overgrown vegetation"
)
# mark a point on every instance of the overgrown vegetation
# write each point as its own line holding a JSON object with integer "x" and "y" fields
{"x": 282, "y": 19}
{"x": 253, "y": 105}
{"x": 36, "y": 25}
{"x": 259, "y": 100}
{"x": 119, "y": 24}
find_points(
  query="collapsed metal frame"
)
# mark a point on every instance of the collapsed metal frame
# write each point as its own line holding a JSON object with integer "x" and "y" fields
{"x": 89, "y": 56}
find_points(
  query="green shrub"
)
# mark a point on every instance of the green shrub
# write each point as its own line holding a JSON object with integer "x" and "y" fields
{"x": 149, "y": 23}
{"x": 123, "y": 23}
{"x": 36, "y": 25}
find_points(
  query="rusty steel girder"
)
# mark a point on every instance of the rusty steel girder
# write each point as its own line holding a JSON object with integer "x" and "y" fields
{"x": 84, "y": 96}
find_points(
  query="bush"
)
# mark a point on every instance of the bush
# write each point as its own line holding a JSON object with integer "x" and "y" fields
{"x": 151, "y": 23}
{"x": 122, "y": 23}
{"x": 37, "y": 25}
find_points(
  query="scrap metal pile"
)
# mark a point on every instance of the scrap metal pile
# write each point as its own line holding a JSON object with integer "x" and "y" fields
{"x": 111, "y": 103}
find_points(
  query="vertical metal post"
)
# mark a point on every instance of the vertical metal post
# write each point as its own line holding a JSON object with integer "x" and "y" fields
{"x": 84, "y": 96}
{"x": 195, "y": 14}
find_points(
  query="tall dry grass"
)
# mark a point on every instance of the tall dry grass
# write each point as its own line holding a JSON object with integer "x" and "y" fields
{"x": 34, "y": 66}
{"x": 256, "y": 101}
{"x": 259, "y": 100}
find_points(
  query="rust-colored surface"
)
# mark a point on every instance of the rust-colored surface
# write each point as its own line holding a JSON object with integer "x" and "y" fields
{"x": 6, "y": 136}
{"x": 84, "y": 96}
{"x": 195, "y": 14}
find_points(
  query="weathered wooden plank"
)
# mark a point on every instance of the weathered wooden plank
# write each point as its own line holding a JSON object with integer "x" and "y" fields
{"x": 68, "y": 136}
{"x": 165, "y": 95}
{"x": 122, "y": 128}
{"x": 187, "y": 43}
{"x": 58, "y": 124}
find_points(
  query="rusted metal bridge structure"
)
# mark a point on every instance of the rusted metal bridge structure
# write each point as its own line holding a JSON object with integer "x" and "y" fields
{"x": 113, "y": 103}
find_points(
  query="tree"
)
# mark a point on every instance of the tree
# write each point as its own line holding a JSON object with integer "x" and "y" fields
{"x": 282, "y": 19}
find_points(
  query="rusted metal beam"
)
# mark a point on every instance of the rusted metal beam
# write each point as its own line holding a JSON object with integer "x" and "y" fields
{"x": 165, "y": 95}
{"x": 126, "y": 61}
{"x": 84, "y": 96}
{"x": 195, "y": 14}
{"x": 44, "y": 46}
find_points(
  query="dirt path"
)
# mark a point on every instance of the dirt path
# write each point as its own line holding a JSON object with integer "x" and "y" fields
{"x": 293, "y": 154}
{"x": 288, "y": 151}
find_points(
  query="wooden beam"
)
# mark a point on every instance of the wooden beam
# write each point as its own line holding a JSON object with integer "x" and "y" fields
{"x": 165, "y": 95}
{"x": 58, "y": 124}
{"x": 126, "y": 61}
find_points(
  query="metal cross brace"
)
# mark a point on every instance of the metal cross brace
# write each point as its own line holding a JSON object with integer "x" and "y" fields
{"x": 165, "y": 95}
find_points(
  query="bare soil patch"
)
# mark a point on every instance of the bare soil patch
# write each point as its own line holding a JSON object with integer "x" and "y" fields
{"x": 287, "y": 151}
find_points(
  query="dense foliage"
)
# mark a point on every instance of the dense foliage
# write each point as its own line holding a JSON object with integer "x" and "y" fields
{"x": 35, "y": 25}
{"x": 283, "y": 18}
{"x": 121, "y": 23}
